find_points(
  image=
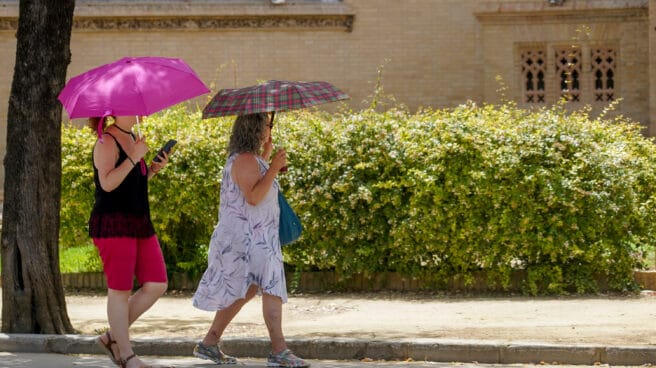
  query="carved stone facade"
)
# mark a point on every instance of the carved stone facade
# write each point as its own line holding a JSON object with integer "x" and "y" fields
{"x": 8, "y": 24}
{"x": 211, "y": 15}
{"x": 314, "y": 23}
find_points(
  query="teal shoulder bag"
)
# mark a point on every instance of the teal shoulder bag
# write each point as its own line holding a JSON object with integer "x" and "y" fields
{"x": 290, "y": 225}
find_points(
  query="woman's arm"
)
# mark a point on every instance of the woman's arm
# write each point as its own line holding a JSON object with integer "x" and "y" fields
{"x": 105, "y": 155}
{"x": 246, "y": 173}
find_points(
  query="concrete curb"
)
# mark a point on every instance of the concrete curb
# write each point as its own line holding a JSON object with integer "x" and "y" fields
{"x": 438, "y": 350}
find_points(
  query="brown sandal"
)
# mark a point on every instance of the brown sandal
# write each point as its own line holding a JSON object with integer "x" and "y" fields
{"x": 124, "y": 362}
{"x": 107, "y": 346}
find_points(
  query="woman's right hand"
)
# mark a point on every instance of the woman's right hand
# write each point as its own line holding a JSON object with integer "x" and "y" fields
{"x": 139, "y": 149}
{"x": 279, "y": 160}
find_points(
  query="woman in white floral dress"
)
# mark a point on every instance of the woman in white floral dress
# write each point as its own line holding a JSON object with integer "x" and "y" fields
{"x": 245, "y": 257}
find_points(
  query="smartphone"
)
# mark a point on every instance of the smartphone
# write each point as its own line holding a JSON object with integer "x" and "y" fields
{"x": 167, "y": 148}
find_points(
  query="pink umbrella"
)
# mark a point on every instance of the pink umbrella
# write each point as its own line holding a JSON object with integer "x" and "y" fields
{"x": 131, "y": 86}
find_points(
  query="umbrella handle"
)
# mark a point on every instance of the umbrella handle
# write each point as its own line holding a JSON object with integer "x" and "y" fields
{"x": 138, "y": 127}
{"x": 273, "y": 115}
{"x": 144, "y": 171}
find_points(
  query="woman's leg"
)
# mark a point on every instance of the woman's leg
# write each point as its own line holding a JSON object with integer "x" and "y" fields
{"x": 123, "y": 310}
{"x": 118, "y": 311}
{"x": 223, "y": 317}
{"x": 121, "y": 257}
{"x": 280, "y": 355}
{"x": 150, "y": 270}
{"x": 144, "y": 298}
{"x": 272, "y": 312}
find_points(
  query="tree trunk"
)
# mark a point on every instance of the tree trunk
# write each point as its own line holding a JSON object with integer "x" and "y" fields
{"x": 32, "y": 291}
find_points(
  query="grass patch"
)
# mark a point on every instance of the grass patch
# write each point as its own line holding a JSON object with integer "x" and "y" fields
{"x": 80, "y": 259}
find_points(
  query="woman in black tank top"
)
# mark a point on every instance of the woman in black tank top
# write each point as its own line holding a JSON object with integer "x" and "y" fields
{"x": 121, "y": 229}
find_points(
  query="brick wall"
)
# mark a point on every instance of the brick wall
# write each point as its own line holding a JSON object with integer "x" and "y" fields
{"x": 435, "y": 53}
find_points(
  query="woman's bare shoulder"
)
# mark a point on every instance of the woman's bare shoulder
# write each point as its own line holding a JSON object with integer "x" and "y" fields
{"x": 246, "y": 160}
{"x": 245, "y": 157}
{"x": 107, "y": 144}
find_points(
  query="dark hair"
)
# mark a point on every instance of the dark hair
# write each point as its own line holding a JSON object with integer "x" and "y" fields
{"x": 247, "y": 133}
{"x": 93, "y": 122}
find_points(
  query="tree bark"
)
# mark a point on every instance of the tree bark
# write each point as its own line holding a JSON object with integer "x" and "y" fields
{"x": 32, "y": 292}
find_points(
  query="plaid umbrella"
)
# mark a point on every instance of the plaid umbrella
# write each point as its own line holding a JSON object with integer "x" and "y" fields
{"x": 270, "y": 96}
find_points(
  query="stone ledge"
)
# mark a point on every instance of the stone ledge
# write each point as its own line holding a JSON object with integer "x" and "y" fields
{"x": 205, "y": 8}
{"x": 646, "y": 279}
{"x": 328, "y": 281}
{"x": 585, "y": 11}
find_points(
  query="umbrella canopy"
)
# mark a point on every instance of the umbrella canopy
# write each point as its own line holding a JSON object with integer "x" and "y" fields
{"x": 273, "y": 95}
{"x": 131, "y": 86}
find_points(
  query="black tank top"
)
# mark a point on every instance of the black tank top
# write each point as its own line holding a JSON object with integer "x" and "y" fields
{"x": 123, "y": 212}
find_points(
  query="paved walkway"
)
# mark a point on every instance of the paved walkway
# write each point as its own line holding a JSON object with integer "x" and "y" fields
{"x": 606, "y": 321}
{"x": 575, "y": 330}
{"x": 32, "y": 360}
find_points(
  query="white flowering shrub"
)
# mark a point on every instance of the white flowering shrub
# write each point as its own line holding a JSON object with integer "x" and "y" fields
{"x": 566, "y": 200}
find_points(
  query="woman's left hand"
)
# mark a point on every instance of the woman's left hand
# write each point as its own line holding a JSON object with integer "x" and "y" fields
{"x": 155, "y": 167}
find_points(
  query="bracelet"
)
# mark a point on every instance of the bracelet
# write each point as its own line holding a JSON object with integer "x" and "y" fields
{"x": 153, "y": 170}
{"x": 130, "y": 158}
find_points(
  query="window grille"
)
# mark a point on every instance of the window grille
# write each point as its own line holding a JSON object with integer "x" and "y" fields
{"x": 568, "y": 73}
{"x": 533, "y": 72}
{"x": 603, "y": 73}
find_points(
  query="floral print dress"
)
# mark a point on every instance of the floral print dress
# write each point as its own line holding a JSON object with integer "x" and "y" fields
{"x": 244, "y": 248}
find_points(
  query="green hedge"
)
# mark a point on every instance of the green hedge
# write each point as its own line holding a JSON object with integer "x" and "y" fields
{"x": 565, "y": 199}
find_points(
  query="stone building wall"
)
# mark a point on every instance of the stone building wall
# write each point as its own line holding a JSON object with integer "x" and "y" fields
{"x": 436, "y": 53}
{"x": 586, "y": 26}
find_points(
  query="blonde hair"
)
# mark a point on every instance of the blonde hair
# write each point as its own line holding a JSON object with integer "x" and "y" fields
{"x": 93, "y": 123}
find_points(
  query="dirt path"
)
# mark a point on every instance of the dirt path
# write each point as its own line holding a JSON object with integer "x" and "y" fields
{"x": 581, "y": 320}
